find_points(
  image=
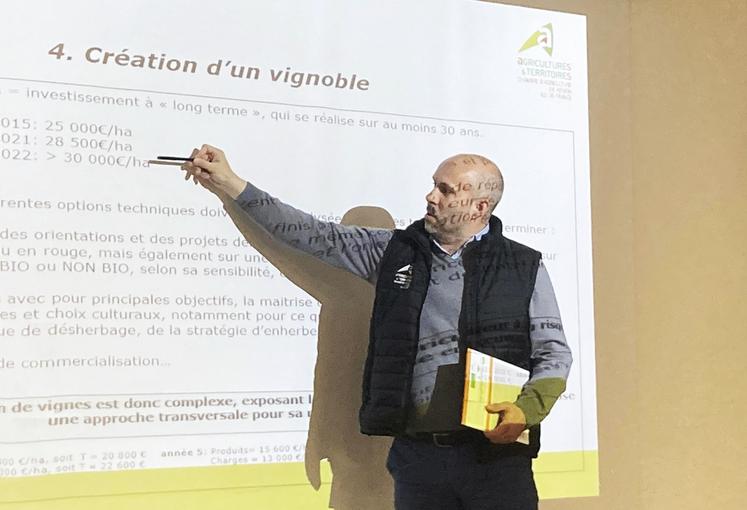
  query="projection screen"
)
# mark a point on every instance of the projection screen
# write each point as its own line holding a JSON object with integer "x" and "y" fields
{"x": 139, "y": 330}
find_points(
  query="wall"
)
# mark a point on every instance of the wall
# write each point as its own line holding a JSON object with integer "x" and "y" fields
{"x": 690, "y": 229}
{"x": 668, "y": 121}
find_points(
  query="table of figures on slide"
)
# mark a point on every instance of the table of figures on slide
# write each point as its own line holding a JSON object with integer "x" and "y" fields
{"x": 140, "y": 329}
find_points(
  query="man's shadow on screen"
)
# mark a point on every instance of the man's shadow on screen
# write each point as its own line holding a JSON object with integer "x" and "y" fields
{"x": 360, "y": 480}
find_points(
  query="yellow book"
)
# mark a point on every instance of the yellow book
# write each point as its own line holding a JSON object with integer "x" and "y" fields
{"x": 489, "y": 380}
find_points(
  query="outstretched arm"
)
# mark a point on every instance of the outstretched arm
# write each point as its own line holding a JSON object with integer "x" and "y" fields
{"x": 354, "y": 249}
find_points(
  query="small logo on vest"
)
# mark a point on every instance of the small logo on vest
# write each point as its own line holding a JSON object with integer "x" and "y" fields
{"x": 403, "y": 277}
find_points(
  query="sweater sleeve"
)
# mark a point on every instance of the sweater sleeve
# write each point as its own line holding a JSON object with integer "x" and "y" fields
{"x": 355, "y": 249}
{"x": 551, "y": 357}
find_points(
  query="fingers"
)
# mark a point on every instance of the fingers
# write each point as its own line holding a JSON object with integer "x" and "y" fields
{"x": 201, "y": 164}
{"x": 508, "y": 411}
{"x": 210, "y": 153}
{"x": 203, "y": 178}
{"x": 188, "y": 167}
{"x": 208, "y": 167}
{"x": 504, "y": 433}
{"x": 511, "y": 422}
{"x": 498, "y": 408}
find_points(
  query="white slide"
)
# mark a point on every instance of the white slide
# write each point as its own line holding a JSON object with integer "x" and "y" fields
{"x": 137, "y": 328}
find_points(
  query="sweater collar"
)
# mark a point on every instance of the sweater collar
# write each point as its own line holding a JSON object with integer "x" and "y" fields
{"x": 458, "y": 252}
{"x": 492, "y": 232}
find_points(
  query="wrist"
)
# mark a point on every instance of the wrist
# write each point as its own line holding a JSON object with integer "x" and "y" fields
{"x": 234, "y": 187}
{"x": 529, "y": 414}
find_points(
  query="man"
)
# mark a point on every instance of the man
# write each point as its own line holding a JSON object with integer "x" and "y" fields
{"x": 448, "y": 282}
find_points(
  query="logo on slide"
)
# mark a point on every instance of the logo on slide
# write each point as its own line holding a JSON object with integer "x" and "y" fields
{"x": 542, "y": 38}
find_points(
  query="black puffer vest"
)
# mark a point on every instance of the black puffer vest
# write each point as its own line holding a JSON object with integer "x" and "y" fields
{"x": 494, "y": 319}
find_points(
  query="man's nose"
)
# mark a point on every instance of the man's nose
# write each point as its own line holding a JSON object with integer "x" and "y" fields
{"x": 431, "y": 197}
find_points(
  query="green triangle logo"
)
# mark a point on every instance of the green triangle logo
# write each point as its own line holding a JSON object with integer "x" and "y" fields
{"x": 542, "y": 38}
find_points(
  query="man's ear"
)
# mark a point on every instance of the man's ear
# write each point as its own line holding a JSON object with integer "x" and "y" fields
{"x": 483, "y": 205}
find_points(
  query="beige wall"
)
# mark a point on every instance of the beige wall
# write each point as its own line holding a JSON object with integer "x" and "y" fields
{"x": 690, "y": 250}
{"x": 668, "y": 127}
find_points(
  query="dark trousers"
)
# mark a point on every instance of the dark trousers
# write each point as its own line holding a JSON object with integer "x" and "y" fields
{"x": 430, "y": 477}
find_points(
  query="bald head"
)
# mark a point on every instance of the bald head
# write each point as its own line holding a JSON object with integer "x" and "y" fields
{"x": 466, "y": 189}
{"x": 482, "y": 174}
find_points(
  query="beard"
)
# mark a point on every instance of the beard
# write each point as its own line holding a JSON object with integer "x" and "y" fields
{"x": 451, "y": 224}
{"x": 439, "y": 227}
{"x": 432, "y": 223}
{"x": 430, "y": 227}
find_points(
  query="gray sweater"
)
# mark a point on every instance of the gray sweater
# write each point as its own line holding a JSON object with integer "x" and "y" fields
{"x": 359, "y": 251}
